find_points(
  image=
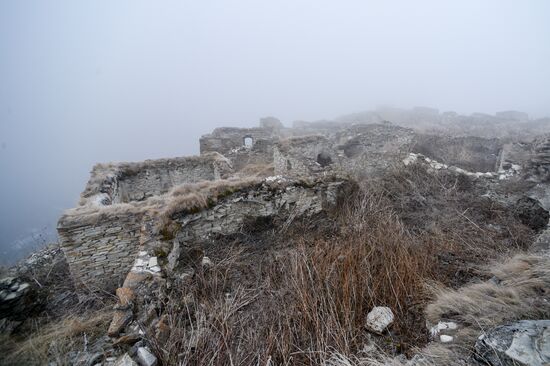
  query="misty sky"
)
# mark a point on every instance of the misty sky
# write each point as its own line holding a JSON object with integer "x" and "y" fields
{"x": 94, "y": 81}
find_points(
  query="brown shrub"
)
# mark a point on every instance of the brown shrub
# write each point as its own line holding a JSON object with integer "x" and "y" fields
{"x": 301, "y": 304}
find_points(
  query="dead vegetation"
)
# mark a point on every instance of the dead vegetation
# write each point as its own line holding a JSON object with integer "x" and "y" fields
{"x": 298, "y": 305}
{"x": 408, "y": 240}
{"x": 57, "y": 341}
{"x": 256, "y": 171}
{"x": 518, "y": 291}
{"x": 303, "y": 300}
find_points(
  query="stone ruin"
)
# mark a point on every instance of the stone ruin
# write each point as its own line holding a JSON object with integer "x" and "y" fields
{"x": 139, "y": 223}
{"x": 122, "y": 202}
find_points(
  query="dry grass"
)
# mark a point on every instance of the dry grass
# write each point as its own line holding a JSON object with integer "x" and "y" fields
{"x": 516, "y": 292}
{"x": 300, "y": 305}
{"x": 188, "y": 197}
{"x": 472, "y": 227}
{"x": 306, "y": 304}
{"x": 57, "y": 341}
{"x": 194, "y": 197}
{"x": 257, "y": 171}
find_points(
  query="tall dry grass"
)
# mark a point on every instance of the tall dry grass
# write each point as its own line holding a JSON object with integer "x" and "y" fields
{"x": 57, "y": 341}
{"x": 302, "y": 304}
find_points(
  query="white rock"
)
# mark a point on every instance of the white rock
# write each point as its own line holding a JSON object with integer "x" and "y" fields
{"x": 11, "y": 296}
{"x": 445, "y": 338}
{"x": 275, "y": 178}
{"x": 206, "y": 262}
{"x": 379, "y": 318}
{"x": 410, "y": 159}
{"x": 153, "y": 261}
{"x": 155, "y": 269}
{"x": 145, "y": 357}
{"x": 442, "y": 326}
{"x": 125, "y": 360}
{"x": 139, "y": 263}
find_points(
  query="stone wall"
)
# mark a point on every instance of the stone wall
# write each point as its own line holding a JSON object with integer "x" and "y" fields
{"x": 102, "y": 242}
{"x": 370, "y": 149}
{"x": 286, "y": 200}
{"x": 100, "y": 245}
{"x": 101, "y": 237}
{"x": 470, "y": 153}
{"x": 127, "y": 182}
{"x": 358, "y": 150}
{"x": 305, "y": 156}
{"x": 225, "y": 139}
{"x": 539, "y": 165}
{"x": 261, "y": 153}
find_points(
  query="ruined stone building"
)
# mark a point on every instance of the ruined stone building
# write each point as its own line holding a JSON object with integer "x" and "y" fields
{"x": 125, "y": 207}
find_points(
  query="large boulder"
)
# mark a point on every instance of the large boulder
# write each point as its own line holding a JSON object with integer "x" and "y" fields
{"x": 525, "y": 342}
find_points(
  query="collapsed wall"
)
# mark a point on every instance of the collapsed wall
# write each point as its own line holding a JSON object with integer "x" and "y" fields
{"x": 357, "y": 150}
{"x": 123, "y": 201}
{"x": 470, "y": 153}
{"x": 102, "y": 242}
{"x": 100, "y": 237}
{"x": 126, "y": 182}
{"x": 244, "y": 146}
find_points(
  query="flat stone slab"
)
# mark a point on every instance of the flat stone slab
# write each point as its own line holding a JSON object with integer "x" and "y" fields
{"x": 525, "y": 342}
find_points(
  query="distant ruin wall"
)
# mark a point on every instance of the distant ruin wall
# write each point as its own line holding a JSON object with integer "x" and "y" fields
{"x": 370, "y": 149}
{"x": 358, "y": 150}
{"x": 224, "y": 140}
{"x": 470, "y": 153}
{"x": 305, "y": 156}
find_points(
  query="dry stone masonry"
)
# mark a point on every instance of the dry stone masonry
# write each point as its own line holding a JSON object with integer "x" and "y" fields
{"x": 121, "y": 209}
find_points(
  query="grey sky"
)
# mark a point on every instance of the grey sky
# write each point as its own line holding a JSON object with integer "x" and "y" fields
{"x": 89, "y": 81}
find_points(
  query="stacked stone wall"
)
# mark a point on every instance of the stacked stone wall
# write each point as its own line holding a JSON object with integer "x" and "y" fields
{"x": 127, "y": 182}
{"x": 470, "y": 153}
{"x": 305, "y": 156}
{"x": 224, "y": 140}
{"x": 358, "y": 150}
{"x": 100, "y": 246}
{"x": 228, "y": 216}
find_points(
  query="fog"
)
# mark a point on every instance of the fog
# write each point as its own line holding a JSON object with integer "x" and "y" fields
{"x": 86, "y": 82}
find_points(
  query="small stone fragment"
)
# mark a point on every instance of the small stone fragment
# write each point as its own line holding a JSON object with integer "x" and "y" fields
{"x": 445, "y": 338}
{"x": 121, "y": 318}
{"x": 206, "y": 262}
{"x": 128, "y": 339}
{"x": 125, "y": 296}
{"x": 379, "y": 318}
{"x": 145, "y": 357}
{"x": 125, "y": 360}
